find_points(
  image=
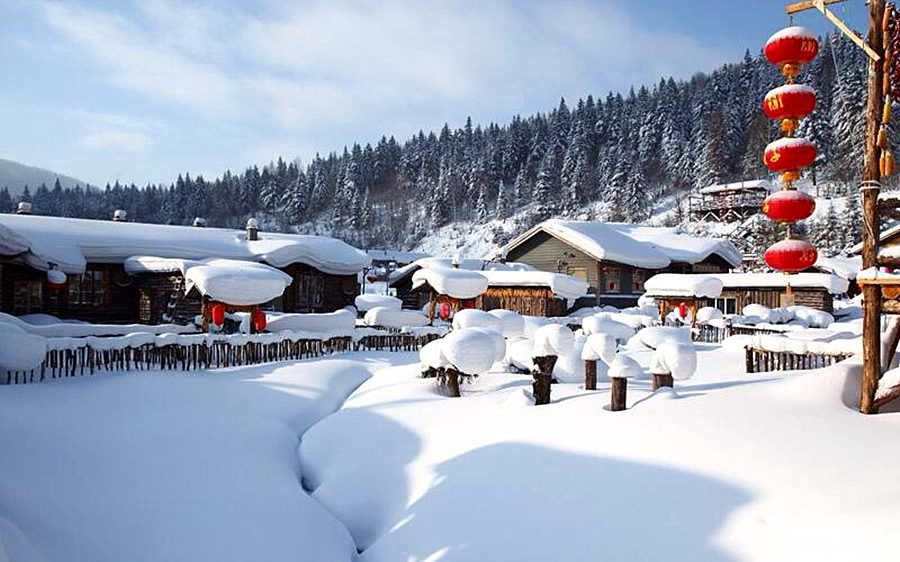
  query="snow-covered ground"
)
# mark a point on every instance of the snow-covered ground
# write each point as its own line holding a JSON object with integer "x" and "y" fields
{"x": 729, "y": 466}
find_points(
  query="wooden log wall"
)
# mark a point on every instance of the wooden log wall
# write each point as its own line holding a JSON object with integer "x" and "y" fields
{"x": 761, "y": 361}
{"x": 86, "y": 360}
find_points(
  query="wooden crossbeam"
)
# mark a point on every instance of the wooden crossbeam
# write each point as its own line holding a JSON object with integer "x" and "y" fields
{"x": 820, "y": 5}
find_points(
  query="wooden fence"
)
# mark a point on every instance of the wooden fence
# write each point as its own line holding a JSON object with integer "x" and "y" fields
{"x": 708, "y": 333}
{"x": 759, "y": 360}
{"x": 199, "y": 352}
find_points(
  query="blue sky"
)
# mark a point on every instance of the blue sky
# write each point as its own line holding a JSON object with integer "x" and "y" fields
{"x": 140, "y": 91}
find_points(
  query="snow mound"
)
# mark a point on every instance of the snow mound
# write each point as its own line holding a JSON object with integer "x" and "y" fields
{"x": 812, "y": 317}
{"x": 430, "y": 355}
{"x": 471, "y": 351}
{"x": 599, "y": 346}
{"x": 624, "y": 367}
{"x": 518, "y": 353}
{"x": 513, "y": 323}
{"x": 569, "y": 366}
{"x": 553, "y": 339}
{"x": 653, "y": 336}
{"x": 311, "y": 322}
{"x": 674, "y": 358}
{"x": 709, "y": 313}
{"x": 20, "y": 351}
{"x": 236, "y": 282}
{"x": 368, "y": 301}
{"x": 603, "y": 324}
{"x": 473, "y": 318}
{"x": 394, "y": 318}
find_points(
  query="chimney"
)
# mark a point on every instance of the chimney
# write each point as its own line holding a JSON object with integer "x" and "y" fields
{"x": 119, "y": 215}
{"x": 199, "y": 222}
{"x": 23, "y": 208}
{"x": 252, "y": 230}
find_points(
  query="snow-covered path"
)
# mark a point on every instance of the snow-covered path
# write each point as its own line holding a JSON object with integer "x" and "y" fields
{"x": 165, "y": 466}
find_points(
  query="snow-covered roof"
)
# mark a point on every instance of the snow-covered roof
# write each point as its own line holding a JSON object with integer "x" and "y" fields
{"x": 842, "y": 267}
{"x": 639, "y": 246}
{"x": 11, "y": 244}
{"x": 72, "y": 243}
{"x": 683, "y": 285}
{"x": 885, "y": 235}
{"x": 458, "y": 283}
{"x": 737, "y": 186}
{"x": 472, "y": 264}
{"x": 832, "y": 283}
{"x": 563, "y": 286}
{"x": 237, "y": 282}
{"x": 397, "y": 256}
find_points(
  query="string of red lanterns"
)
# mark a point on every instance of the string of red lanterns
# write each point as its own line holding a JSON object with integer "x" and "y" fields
{"x": 789, "y": 49}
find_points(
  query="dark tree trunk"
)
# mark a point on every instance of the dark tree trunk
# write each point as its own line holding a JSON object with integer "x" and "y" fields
{"x": 617, "y": 394}
{"x": 662, "y": 380}
{"x": 453, "y": 383}
{"x": 543, "y": 376}
{"x": 590, "y": 375}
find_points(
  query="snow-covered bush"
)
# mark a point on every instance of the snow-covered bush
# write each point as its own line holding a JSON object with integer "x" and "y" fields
{"x": 811, "y": 317}
{"x": 603, "y": 324}
{"x": 513, "y": 323}
{"x": 471, "y": 351}
{"x": 368, "y": 301}
{"x": 431, "y": 358}
{"x": 474, "y": 318}
{"x": 674, "y": 358}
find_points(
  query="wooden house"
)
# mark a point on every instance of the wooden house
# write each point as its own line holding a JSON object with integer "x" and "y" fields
{"x": 124, "y": 272}
{"x": 815, "y": 290}
{"x": 487, "y": 285}
{"x": 729, "y": 202}
{"x": 615, "y": 258}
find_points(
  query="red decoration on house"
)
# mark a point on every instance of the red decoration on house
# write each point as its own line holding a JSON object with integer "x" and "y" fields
{"x": 217, "y": 314}
{"x": 788, "y": 104}
{"x": 791, "y": 47}
{"x": 468, "y": 304}
{"x": 444, "y": 311}
{"x": 371, "y": 277}
{"x": 682, "y": 309}
{"x": 56, "y": 279}
{"x": 258, "y": 318}
{"x": 791, "y": 255}
{"x": 789, "y": 154}
{"x": 788, "y": 205}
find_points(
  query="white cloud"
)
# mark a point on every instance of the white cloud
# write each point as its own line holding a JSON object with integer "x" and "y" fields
{"x": 129, "y": 141}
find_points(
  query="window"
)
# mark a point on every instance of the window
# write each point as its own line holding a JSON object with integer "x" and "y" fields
{"x": 577, "y": 272}
{"x": 610, "y": 279}
{"x": 727, "y": 305}
{"x": 310, "y": 292}
{"x": 28, "y": 297}
{"x": 89, "y": 289}
{"x": 638, "y": 276}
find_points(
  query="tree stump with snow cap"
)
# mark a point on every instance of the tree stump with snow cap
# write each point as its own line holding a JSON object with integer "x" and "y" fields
{"x": 660, "y": 380}
{"x": 590, "y": 375}
{"x": 448, "y": 380}
{"x": 550, "y": 342}
{"x": 543, "y": 378}
{"x": 621, "y": 369}
{"x": 597, "y": 347}
{"x": 672, "y": 360}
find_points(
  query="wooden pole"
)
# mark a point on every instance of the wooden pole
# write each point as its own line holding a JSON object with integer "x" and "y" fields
{"x": 869, "y": 188}
{"x": 662, "y": 380}
{"x": 617, "y": 394}
{"x": 590, "y": 375}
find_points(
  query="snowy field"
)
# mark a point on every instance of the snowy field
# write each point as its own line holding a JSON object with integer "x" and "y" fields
{"x": 205, "y": 467}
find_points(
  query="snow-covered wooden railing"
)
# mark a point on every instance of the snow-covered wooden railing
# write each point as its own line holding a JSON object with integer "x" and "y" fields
{"x": 68, "y": 357}
{"x": 760, "y": 360}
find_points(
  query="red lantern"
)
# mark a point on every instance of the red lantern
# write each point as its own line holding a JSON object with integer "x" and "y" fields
{"x": 56, "y": 279}
{"x": 371, "y": 277}
{"x": 444, "y": 311}
{"x": 788, "y": 205}
{"x": 217, "y": 314}
{"x": 789, "y": 154}
{"x": 791, "y": 255}
{"x": 682, "y": 310}
{"x": 789, "y": 103}
{"x": 258, "y": 318}
{"x": 791, "y": 47}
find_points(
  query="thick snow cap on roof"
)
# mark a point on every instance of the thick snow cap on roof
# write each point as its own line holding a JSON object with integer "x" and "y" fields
{"x": 237, "y": 282}
{"x": 563, "y": 286}
{"x": 646, "y": 247}
{"x": 11, "y": 244}
{"x": 842, "y": 267}
{"x": 683, "y": 285}
{"x": 456, "y": 283}
{"x": 71, "y": 243}
{"x": 832, "y": 283}
{"x": 736, "y": 186}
